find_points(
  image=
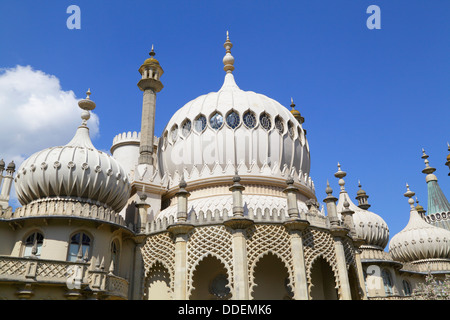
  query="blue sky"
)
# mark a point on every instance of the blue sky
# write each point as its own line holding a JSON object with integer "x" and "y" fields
{"x": 372, "y": 99}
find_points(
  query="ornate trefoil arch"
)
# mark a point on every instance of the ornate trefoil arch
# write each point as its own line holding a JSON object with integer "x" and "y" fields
{"x": 207, "y": 241}
{"x": 264, "y": 239}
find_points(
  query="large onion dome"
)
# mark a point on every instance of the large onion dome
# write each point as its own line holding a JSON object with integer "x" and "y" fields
{"x": 76, "y": 170}
{"x": 233, "y": 128}
{"x": 369, "y": 226}
{"x": 419, "y": 240}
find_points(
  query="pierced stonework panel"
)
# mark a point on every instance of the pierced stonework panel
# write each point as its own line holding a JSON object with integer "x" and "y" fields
{"x": 160, "y": 248}
{"x": 213, "y": 241}
{"x": 264, "y": 239}
{"x": 319, "y": 244}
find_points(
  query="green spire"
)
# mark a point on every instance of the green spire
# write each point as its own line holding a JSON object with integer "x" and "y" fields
{"x": 437, "y": 202}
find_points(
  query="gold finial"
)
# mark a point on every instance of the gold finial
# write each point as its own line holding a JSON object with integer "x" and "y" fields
{"x": 296, "y": 113}
{"x": 152, "y": 53}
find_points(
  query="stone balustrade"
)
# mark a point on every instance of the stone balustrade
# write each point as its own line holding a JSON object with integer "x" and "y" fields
{"x": 75, "y": 276}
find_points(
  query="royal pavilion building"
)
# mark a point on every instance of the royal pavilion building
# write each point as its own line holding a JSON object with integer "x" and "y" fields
{"x": 221, "y": 206}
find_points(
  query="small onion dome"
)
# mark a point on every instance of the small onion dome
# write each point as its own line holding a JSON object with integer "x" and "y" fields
{"x": 419, "y": 208}
{"x": 296, "y": 113}
{"x": 2, "y": 165}
{"x": 152, "y": 63}
{"x": 11, "y": 166}
{"x": 368, "y": 225}
{"x": 419, "y": 240}
{"x": 76, "y": 170}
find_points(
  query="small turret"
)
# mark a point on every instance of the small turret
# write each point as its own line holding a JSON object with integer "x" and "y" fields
{"x": 362, "y": 197}
{"x": 7, "y": 182}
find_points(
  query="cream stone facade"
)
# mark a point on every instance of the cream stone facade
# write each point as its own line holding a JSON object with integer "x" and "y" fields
{"x": 221, "y": 206}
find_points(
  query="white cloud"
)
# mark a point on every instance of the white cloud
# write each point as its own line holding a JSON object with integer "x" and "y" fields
{"x": 35, "y": 113}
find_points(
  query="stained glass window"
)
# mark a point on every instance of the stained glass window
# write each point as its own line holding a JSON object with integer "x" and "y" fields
{"x": 174, "y": 133}
{"x": 279, "y": 125}
{"x": 186, "y": 129}
{"x": 216, "y": 121}
{"x": 291, "y": 129}
{"x": 200, "y": 123}
{"x": 265, "y": 121}
{"x": 233, "y": 119}
{"x": 249, "y": 119}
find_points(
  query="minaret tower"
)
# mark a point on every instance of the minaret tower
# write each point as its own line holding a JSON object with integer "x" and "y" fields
{"x": 150, "y": 84}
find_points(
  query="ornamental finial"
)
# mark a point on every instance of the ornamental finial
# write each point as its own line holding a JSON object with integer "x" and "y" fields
{"x": 228, "y": 60}
{"x": 86, "y": 105}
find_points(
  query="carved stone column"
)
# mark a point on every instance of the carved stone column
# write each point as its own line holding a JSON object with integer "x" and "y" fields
{"x": 238, "y": 223}
{"x": 295, "y": 225}
{"x": 180, "y": 230}
{"x": 338, "y": 235}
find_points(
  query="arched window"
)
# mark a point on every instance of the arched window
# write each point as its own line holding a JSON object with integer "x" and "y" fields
{"x": 406, "y": 288}
{"x": 249, "y": 119}
{"x": 233, "y": 120}
{"x": 265, "y": 121}
{"x": 291, "y": 129}
{"x": 33, "y": 245}
{"x": 174, "y": 133}
{"x": 387, "y": 281}
{"x": 115, "y": 255}
{"x": 216, "y": 121}
{"x": 279, "y": 124}
{"x": 79, "y": 246}
{"x": 186, "y": 127}
{"x": 200, "y": 123}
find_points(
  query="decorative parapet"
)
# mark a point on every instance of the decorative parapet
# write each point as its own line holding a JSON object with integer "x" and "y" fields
{"x": 65, "y": 208}
{"x": 218, "y": 217}
{"x": 75, "y": 276}
{"x": 126, "y": 137}
{"x": 427, "y": 266}
{"x": 374, "y": 254}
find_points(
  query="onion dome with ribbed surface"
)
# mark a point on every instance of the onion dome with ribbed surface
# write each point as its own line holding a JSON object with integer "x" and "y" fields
{"x": 368, "y": 225}
{"x": 76, "y": 170}
{"x": 232, "y": 127}
{"x": 419, "y": 240}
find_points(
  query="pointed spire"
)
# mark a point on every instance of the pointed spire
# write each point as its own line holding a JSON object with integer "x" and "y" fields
{"x": 80, "y": 253}
{"x": 437, "y": 202}
{"x": 228, "y": 60}
{"x": 111, "y": 267}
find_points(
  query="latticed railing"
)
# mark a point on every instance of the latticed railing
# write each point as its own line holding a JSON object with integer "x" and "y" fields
{"x": 73, "y": 275}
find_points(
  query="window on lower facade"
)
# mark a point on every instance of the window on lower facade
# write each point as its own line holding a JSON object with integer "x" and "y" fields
{"x": 79, "y": 247}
